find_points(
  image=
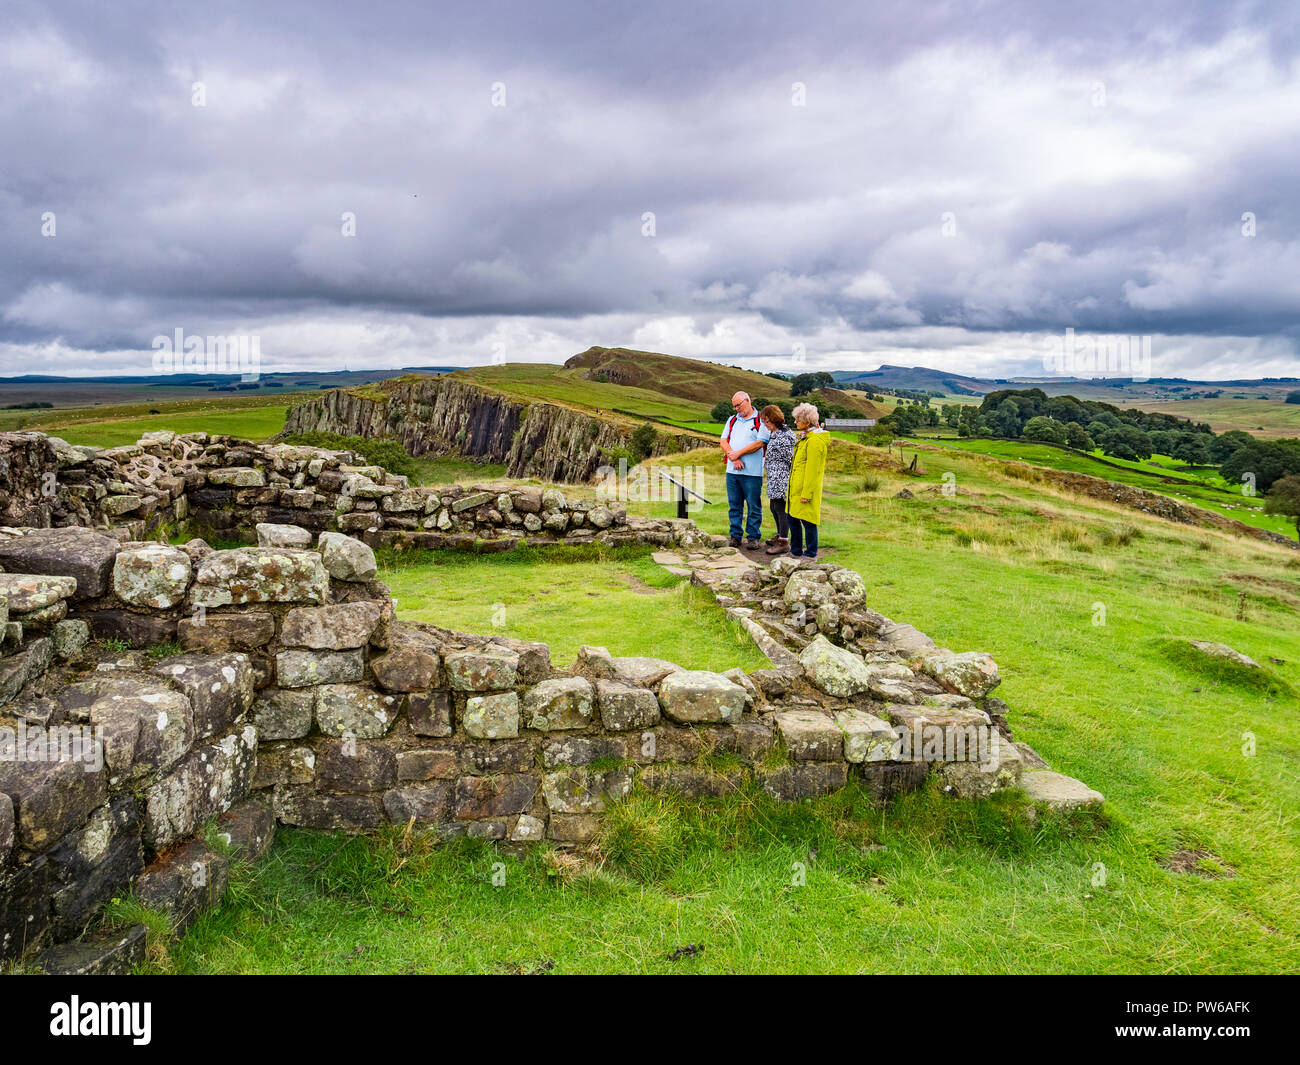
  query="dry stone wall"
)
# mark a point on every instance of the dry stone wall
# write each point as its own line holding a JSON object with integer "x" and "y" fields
{"x": 223, "y": 488}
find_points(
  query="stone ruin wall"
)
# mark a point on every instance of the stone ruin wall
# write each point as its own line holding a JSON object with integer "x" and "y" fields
{"x": 296, "y": 697}
{"x": 223, "y": 488}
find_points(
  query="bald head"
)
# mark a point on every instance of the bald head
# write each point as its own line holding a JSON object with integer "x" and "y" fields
{"x": 741, "y": 402}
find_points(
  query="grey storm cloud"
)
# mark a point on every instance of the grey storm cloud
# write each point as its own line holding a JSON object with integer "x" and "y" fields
{"x": 945, "y": 179}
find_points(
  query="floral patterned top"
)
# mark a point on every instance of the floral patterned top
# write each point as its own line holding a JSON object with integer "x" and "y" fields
{"x": 777, "y": 457}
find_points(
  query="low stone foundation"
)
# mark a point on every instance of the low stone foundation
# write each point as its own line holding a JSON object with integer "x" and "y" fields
{"x": 220, "y": 487}
{"x": 275, "y": 684}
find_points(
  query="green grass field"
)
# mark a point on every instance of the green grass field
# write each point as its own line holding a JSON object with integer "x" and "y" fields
{"x": 1082, "y": 604}
{"x": 1266, "y": 416}
{"x": 620, "y": 601}
{"x": 250, "y": 417}
{"x": 1203, "y": 488}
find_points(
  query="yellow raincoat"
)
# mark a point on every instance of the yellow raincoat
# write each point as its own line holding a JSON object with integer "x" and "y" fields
{"x": 806, "y": 473}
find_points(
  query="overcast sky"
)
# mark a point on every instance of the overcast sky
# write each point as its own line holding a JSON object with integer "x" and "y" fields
{"x": 917, "y": 183}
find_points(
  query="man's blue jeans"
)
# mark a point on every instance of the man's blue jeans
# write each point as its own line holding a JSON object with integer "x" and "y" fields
{"x": 745, "y": 492}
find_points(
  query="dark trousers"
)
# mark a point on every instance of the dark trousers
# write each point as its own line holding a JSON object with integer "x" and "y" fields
{"x": 744, "y": 494}
{"x": 782, "y": 519}
{"x": 800, "y": 531}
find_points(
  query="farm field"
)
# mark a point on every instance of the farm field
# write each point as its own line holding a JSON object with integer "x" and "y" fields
{"x": 252, "y": 423}
{"x": 254, "y": 417}
{"x": 1084, "y": 606}
{"x": 1265, "y": 417}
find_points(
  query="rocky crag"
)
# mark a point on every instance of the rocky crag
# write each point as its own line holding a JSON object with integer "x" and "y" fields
{"x": 448, "y": 416}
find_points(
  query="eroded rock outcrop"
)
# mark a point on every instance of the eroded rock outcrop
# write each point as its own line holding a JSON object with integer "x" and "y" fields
{"x": 448, "y": 416}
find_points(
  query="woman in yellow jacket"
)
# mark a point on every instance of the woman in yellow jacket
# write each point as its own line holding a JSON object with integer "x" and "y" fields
{"x": 804, "y": 497}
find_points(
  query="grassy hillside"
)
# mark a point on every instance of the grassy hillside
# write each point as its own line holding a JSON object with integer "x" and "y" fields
{"x": 1083, "y": 605}
{"x": 689, "y": 379}
{"x": 1202, "y": 488}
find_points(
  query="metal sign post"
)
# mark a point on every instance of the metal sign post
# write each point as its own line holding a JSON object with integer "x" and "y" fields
{"x": 680, "y": 494}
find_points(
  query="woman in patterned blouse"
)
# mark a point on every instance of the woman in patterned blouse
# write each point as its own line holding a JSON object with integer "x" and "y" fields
{"x": 777, "y": 457}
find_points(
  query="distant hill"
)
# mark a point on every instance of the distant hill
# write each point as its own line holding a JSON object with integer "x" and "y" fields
{"x": 87, "y": 391}
{"x": 688, "y": 379}
{"x": 846, "y": 399}
{"x": 916, "y": 379}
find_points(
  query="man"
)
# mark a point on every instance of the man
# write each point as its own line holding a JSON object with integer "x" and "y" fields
{"x": 742, "y": 442}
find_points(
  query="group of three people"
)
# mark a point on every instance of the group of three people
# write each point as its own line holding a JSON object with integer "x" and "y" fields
{"x": 757, "y": 442}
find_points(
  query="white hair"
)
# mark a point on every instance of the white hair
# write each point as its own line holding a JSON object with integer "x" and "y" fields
{"x": 807, "y": 414}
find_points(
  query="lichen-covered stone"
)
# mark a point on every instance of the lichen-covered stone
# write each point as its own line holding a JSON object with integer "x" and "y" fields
{"x": 27, "y": 592}
{"x": 493, "y": 668}
{"x": 429, "y": 713}
{"x": 346, "y": 558}
{"x": 699, "y": 697}
{"x": 337, "y": 627}
{"x": 580, "y": 790}
{"x": 528, "y": 829}
{"x": 155, "y": 576}
{"x": 978, "y": 778}
{"x": 866, "y": 737}
{"x": 283, "y": 713}
{"x": 492, "y": 717}
{"x": 238, "y": 477}
{"x": 835, "y": 670}
{"x": 624, "y": 707}
{"x": 50, "y": 798}
{"x": 71, "y": 638}
{"x": 83, "y": 554}
{"x": 810, "y": 735}
{"x": 646, "y": 672}
{"x": 421, "y": 803}
{"x": 804, "y": 780}
{"x": 272, "y": 535}
{"x": 557, "y": 704}
{"x": 406, "y": 668}
{"x": 343, "y": 709}
{"x": 302, "y": 669}
{"x": 219, "y": 687}
{"x": 213, "y": 632}
{"x": 808, "y": 588}
{"x": 184, "y": 883}
{"x": 479, "y": 798}
{"x": 1057, "y": 790}
{"x": 305, "y": 808}
{"x": 583, "y": 750}
{"x": 972, "y": 673}
{"x": 260, "y": 575}
{"x": 143, "y": 732}
{"x": 850, "y": 588}
{"x": 206, "y": 782}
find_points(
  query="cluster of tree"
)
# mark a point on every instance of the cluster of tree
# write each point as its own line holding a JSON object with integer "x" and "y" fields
{"x": 1293, "y": 397}
{"x": 806, "y": 383}
{"x": 911, "y": 415}
{"x": 35, "y": 404}
{"x": 1133, "y": 435}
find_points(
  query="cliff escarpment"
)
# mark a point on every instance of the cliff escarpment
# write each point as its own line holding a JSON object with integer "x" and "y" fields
{"x": 448, "y": 416}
